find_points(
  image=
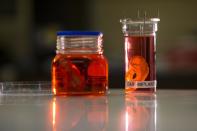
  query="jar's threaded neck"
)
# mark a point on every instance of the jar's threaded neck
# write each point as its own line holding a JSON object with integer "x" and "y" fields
{"x": 79, "y": 45}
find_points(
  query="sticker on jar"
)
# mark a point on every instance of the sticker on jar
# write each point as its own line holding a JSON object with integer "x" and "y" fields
{"x": 141, "y": 84}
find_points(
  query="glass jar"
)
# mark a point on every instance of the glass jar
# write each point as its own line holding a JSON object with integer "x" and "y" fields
{"x": 79, "y": 67}
{"x": 140, "y": 50}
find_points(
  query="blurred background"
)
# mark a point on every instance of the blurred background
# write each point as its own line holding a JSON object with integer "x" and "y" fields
{"x": 28, "y": 36}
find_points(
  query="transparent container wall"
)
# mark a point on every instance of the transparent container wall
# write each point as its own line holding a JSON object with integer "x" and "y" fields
{"x": 140, "y": 51}
{"x": 25, "y": 88}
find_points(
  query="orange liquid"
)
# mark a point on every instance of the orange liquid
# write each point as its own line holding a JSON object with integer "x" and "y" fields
{"x": 79, "y": 74}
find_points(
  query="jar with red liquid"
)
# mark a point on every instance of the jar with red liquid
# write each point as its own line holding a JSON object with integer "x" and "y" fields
{"x": 140, "y": 50}
{"x": 79, "y": 67}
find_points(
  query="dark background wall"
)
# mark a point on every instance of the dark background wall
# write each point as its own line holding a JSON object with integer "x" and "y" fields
{"x": 28, "y": 36}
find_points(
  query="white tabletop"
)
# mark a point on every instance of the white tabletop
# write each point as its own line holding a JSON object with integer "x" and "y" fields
{"x": 168, "y": 110}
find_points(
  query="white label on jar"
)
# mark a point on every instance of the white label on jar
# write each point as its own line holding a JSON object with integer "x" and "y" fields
{"x": 141, "y": 84}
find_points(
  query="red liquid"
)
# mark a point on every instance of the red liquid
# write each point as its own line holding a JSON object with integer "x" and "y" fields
{"x": 140, "y": 61}
{"x": 79, "y": 74}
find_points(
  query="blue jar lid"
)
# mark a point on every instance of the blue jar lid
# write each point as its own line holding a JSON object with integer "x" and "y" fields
{"x": 78, "y": 33}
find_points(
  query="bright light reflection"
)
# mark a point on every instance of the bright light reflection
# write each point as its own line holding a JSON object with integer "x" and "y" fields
{"x": 155, "y": 114}
{"x": 54, "y": 112}
{"x": 126, "y": 121}
{"x": 54, "y": 91}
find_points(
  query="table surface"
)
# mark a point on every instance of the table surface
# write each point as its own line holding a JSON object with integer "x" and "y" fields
{"x": 168, "y": 110}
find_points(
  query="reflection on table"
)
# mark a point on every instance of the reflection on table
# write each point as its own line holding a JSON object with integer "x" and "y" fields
{"x": 79, "y": 113}
{"x": 116, "y": 111}
{"x": 140, "y": 112}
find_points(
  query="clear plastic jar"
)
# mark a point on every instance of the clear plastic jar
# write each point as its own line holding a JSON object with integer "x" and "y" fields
{"x": 140, "y": 50}
{"x": 79, "y": 67}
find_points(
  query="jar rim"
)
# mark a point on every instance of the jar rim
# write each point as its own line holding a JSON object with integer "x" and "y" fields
{"x": 79, "y": 33}
{"x": 139, "y": 21}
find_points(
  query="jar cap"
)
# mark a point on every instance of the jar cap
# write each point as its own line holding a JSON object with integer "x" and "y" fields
{"x": 78, "y": 33}
{"x": 140, "y": 21}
